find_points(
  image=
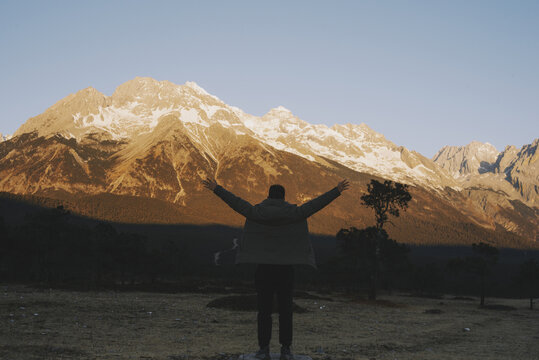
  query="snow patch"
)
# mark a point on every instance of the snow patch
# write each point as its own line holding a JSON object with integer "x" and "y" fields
{"x": 122, "y": 122}
{"x": 224, "y": 123}
{"x": 281, "y": 108}
{"x": 191, "y": 116}
{"x": 193, "y": 85}
{"x": 211, "y": 109}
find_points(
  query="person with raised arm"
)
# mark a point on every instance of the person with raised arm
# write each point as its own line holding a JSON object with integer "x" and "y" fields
{"x": 275, "y": 237}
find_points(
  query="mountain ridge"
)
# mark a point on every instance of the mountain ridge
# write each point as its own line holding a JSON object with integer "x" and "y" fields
{"x": 481, "y": 164}
{"x": 154, "y": 139}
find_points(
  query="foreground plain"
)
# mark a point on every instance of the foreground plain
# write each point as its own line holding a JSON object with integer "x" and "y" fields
{"x": 58, "y": 324}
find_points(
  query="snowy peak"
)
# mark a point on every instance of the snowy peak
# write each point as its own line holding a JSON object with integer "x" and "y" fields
{"x": 281, "y": 114}
{"x": 355, "y": 146}
{"x": 164, "y": 93}
{"x": 361, "y": 132}
{"x": 138, "y": 107}
{"x": 138, "y": 86}
{"x": 4, "y": 137}
{"x": 146, "y": 91}
{"x": 280, "y": 111}
{"x": 193, "y": 85}
{"x": 135, "y": 107}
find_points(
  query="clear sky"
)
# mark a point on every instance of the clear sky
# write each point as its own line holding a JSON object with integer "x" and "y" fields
{"x": 423, "y": 73}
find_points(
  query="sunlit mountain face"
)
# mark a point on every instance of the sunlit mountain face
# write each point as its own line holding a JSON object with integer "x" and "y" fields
{"x": 140, "y": 154}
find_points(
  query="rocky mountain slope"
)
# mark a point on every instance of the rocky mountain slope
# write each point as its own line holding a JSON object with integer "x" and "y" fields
{"x": 138, "y": 106}
{"x": 472, "y": 159}
{"x": 513, "y": 171}
{"x": 154, "y": 141}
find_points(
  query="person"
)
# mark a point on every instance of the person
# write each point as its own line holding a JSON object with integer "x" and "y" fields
{"x": 275, "y": 237}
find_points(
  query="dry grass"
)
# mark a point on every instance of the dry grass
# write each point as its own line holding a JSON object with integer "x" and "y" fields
{"x": 43, "y": 324}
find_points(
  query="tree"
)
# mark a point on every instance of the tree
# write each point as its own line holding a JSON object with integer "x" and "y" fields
{"x": 529, "y": 278}
{"x": 386, "y": 198}
{"x": 372, "y": 253}
{"x": 484, "y": 257}
{"x": 372, "y": 247}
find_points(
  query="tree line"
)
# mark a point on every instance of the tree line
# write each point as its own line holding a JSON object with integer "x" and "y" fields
{"x": 49, "y": 247}
{"x": 372, "y": 258}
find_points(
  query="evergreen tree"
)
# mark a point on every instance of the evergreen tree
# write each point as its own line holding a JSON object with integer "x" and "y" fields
{"x": 372, "y": 248}
{"x": 386, "y": 199}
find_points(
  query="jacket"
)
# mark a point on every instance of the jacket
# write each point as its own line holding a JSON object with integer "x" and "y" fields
{"x": 275, "y": 231}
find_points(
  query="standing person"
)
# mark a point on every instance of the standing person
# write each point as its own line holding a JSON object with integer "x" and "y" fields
{"x": 276, "y": 237}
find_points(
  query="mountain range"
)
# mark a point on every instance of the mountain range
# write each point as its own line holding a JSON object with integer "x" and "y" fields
{"x": 139, "y": 155}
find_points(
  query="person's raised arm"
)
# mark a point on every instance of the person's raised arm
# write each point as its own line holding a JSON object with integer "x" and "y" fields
{"x": 236, "y": 203}
{"x": 317, "y": 204}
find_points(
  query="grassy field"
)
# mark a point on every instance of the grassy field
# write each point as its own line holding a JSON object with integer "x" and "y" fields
{"x": 57, "y": 324}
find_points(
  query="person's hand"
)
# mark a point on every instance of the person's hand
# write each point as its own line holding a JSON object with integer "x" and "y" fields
{"x": 343, "y": 185}
{"x": 210, "y": 183}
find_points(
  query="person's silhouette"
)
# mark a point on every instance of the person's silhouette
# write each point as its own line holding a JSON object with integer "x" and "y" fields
{"x": 276, "y": 237}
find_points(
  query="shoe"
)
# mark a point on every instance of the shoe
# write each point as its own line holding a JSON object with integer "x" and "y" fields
{"x": 286, "y": 354}
{"x": 263, "y": 353}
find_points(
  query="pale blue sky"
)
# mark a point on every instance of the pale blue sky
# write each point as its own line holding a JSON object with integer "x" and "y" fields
{"x": 424, "y": 73}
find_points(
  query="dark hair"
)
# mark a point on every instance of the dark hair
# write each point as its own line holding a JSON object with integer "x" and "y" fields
{"x": 276, "y": 192}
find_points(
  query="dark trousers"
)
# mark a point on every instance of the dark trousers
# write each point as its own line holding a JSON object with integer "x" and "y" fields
{"x": 274, "y": 279}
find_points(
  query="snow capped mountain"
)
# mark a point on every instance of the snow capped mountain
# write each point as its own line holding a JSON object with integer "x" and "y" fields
{"x": 134, "y": 108}
{"x": 4, "y": 137}
{"x": 355, "y": 146}
{"x": 155, "y": 140}
{"x": 137, "y": 106}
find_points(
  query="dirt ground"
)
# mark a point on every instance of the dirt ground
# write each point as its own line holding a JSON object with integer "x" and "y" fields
{"x": 55, "y": 324}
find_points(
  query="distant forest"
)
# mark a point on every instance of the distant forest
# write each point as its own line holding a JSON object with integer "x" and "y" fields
{"x": 50, "y": 246}
{"x": 120, "y": 209}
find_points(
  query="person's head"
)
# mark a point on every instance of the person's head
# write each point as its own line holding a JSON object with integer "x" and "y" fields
{"x": 276, "y": 192}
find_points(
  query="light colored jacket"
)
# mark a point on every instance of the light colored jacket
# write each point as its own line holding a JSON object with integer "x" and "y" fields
{"x": 275, "y": 231}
